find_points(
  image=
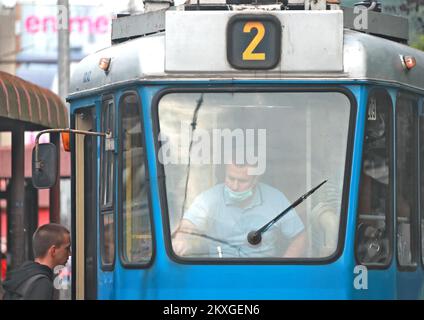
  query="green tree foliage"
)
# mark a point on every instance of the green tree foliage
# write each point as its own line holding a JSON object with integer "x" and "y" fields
{"x": 419, "y": 44}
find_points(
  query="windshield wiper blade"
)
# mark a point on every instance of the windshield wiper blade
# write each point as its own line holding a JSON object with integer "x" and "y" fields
{"x": 193, "y": 127}
{"x": 255, "y": 237}
{"x": 202, "y": 235}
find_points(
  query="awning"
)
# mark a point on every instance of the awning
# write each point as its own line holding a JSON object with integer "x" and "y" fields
{"x": 23, "y": 101}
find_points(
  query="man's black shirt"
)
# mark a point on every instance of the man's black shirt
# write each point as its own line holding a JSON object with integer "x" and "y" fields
{"x": 41, "y": 289}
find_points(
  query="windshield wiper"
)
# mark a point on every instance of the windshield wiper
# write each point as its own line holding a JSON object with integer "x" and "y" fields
{"x": 255, "y": 237}
{"x": 202, "y": 235}
{"x": 193, "y": 127}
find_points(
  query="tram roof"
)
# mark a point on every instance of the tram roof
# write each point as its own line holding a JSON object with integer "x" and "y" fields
{"x": 317, "y": 48}
{"x": 35, "y": 107}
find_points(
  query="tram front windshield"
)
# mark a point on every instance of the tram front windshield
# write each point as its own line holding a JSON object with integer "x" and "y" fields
{"x": 233, "y": 161}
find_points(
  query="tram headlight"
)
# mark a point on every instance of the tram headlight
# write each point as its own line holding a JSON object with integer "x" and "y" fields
{"x": 104, "y": 64}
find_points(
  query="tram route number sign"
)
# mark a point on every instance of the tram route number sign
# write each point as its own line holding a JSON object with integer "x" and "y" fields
{"x": 254, "y": 41}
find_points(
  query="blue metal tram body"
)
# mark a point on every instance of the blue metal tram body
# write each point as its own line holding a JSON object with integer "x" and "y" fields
{"x": 165, "y": 275}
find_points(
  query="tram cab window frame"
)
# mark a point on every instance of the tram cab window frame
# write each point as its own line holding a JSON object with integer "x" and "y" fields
{"x": 107, "y": 221}
{"x": 346, "y": 163}
{"x": 407, "y": 181}
{"x": 126, "y": 192}
{"x": 374, "y": 228}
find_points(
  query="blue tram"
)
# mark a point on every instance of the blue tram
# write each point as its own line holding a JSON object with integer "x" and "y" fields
{"x": 310, "y": 95}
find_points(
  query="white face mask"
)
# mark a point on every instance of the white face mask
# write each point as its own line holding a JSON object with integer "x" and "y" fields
{"x": 239, "y": 196}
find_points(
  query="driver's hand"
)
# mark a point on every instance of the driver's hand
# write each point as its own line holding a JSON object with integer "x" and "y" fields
{"x": 188, "y": 245}
{"x": 185, "y": 244}
{"x": 180, "y": 244}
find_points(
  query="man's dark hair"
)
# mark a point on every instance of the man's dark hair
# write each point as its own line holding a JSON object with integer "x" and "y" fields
{"x": 48, "y": 235}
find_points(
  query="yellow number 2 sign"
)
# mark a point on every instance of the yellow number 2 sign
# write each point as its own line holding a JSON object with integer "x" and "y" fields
{"x": 248, "y": 53}
{"x": 254, "y": 41}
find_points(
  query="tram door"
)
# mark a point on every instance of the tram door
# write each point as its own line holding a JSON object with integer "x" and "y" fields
{"x": 85, "y": 254}
{"x": 107, "y": 201}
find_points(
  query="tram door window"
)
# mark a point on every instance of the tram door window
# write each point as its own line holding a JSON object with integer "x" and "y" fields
{"x": 135, "y": 223}
{"x": 107, "y": 181}
{"x": 373, "y": 234}
{"x": 406, "y": 186}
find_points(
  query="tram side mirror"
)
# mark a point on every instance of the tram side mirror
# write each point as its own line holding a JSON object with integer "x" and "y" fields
{"x": 44, "y": 169}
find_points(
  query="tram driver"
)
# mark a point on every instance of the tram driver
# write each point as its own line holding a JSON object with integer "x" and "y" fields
{"x": 219, "y": 220}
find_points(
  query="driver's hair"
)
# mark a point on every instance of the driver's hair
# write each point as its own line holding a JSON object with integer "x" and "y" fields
{"x": 238, "y": 161}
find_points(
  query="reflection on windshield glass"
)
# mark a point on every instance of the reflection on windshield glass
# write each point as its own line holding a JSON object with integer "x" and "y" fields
{"x": 234, "y": 161}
